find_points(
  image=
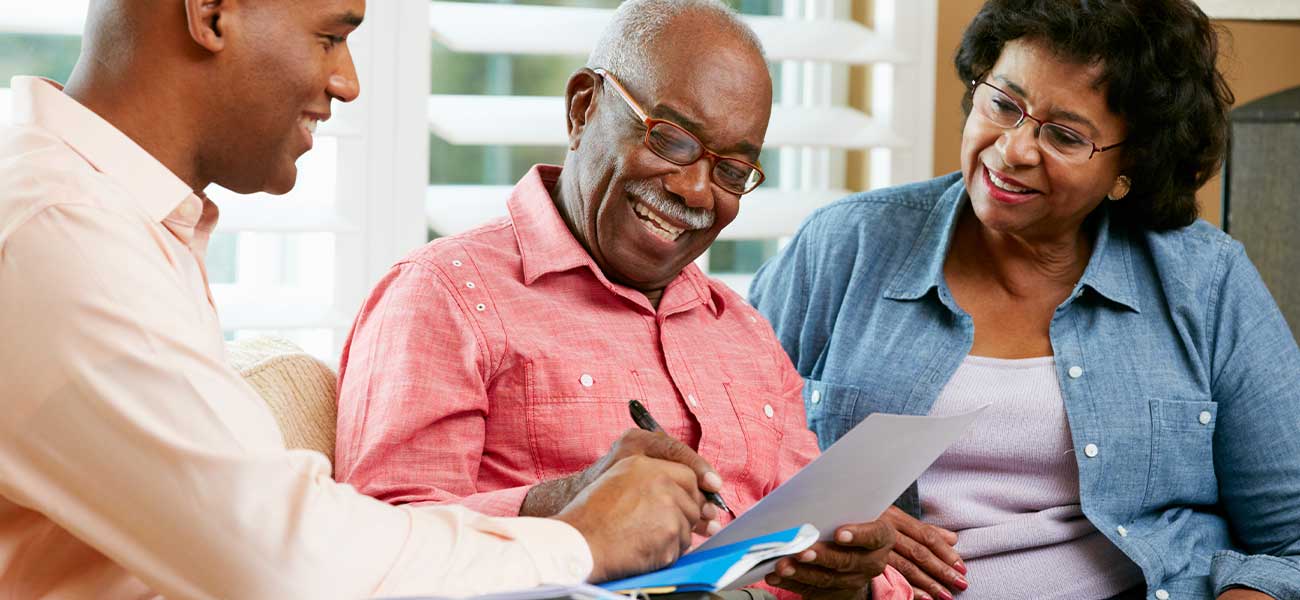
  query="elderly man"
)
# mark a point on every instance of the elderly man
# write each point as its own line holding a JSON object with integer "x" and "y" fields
{"x": 133, "y": 462}
{"x": 493, "y": 368}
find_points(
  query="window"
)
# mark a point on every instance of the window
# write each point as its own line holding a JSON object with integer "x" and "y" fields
{"x": 461, "y": 98}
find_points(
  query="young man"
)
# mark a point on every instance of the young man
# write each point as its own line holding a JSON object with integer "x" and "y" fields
{"x": 133, "y": 461}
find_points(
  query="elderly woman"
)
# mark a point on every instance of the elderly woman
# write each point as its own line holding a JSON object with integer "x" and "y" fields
{"x": 1142, "y": 435}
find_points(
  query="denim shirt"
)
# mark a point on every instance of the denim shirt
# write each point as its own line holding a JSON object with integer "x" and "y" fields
{"x": 1180, "y": 378}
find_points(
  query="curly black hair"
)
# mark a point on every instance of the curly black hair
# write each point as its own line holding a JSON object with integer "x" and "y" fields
{"x": 1157, "y": 59}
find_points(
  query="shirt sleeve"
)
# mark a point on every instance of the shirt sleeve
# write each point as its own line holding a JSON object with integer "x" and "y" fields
{"x": 1255, "y": 370}
{"x": 413, "y": 400}
{"x": 124, "y": 426}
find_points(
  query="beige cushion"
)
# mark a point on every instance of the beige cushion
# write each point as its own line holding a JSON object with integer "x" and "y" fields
{"x": 299, "y": 388}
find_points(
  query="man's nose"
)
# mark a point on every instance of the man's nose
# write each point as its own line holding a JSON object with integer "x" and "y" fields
{"x": 693, "y": 183}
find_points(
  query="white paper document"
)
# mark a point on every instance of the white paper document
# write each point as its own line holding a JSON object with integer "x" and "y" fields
{"x": 853, "y": 481}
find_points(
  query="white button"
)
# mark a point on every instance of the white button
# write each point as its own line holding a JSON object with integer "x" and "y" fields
{"x": 691, "y": 398}
{"x": 753, "y": 319}
{"x": 1076, "y": 372}
{"x": 480, "y": 307}
{"x": 1122, "y": 532}
{"x": 1204, "y": 418}
{"x": 1162, "y": 595}
{"x": 767, "y": 410}
{"x": 469, "y": 284}
{"x": 456, "y": 263}
{"x": 816, "y": 396}
{"x": 586, "y": 380}
{"x": 1090, "y": 450}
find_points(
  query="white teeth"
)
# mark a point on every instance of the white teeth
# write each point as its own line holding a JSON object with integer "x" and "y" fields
{"x": 656, "y": 224}
{"x": 1006, "y": 186}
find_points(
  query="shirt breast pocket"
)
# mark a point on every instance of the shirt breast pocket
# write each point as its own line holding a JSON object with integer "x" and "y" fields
{"x": 761, "y": 416}
{"x": 574, "y": 413}
{"x": 1182, "y": 454}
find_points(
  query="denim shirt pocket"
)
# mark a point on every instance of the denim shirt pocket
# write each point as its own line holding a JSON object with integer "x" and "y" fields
{"x": 1182, "y": 454}
{"x": 832, "y": 409}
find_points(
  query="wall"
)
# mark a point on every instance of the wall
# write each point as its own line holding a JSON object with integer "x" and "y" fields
{"x": 1258, "y": 59}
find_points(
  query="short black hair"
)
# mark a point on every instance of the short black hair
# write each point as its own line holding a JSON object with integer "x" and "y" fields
{"x": 1158, "y": 70}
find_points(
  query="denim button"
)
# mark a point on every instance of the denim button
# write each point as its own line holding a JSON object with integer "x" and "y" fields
{"x": 1090, "y": 450}
{"x": 816, "y": 396}
{"x": 1122, "y": 531}
{"x": 1204, "y": 418}
{"x": 1076, "y": 372}
{"x": 1162, "y": 595}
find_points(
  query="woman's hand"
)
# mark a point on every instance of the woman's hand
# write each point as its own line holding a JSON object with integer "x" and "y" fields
{"x": 840, "y": 569}
{"x": 924, "y": 555}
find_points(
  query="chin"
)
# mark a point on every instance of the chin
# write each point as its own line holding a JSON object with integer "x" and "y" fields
{"x": 281, "y": 182}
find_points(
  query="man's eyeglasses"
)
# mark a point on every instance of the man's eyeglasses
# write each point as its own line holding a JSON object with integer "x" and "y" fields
{"x": 999, "y": 108}
{"x": 674, "y": 144}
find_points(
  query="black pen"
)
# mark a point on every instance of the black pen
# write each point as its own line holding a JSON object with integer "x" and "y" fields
{"x": 642, "y": 418}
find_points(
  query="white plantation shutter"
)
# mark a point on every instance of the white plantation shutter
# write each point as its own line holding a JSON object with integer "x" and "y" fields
{"x": 813, "y": 42}
{"x": 299, "y": 265}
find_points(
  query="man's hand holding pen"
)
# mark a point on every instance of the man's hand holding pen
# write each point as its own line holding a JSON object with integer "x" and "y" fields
{"x": 547, "y": 498}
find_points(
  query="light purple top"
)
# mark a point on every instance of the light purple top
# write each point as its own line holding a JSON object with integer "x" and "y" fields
{"x": 1010, "y": 489}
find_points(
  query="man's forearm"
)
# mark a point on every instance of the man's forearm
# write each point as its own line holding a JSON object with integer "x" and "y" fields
{"x": 548, "y": 498}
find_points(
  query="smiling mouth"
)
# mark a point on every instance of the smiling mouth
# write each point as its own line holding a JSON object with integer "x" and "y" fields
{"x": 656, "y": 224}
{"x": 1007, "y": 186}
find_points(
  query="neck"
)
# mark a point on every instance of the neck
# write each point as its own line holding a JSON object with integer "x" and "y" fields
{"x": 1022, "y": 265}
{"x": 567, "y": 196}
{"x": 158, "y": 118}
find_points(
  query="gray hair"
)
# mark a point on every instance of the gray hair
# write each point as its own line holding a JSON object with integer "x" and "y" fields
{"x": 624, "y": 47}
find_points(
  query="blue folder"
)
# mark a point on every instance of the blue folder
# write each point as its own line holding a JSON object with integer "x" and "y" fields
{"x": 714, "y": 569}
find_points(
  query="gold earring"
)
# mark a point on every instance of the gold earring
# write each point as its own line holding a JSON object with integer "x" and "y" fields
{"x": 1121, "y": 189}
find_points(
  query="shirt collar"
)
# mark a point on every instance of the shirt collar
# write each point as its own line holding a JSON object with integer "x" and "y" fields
{"x": 547, "y": 246}
{"x": 1109, "y": 272}
{"x": 40, "y": 102}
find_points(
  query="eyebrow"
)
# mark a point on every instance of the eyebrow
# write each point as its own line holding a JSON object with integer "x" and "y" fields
{"x": 750, "y": 151}
{"x": 348, "y": 18}
{"x": 1056, "y": 114}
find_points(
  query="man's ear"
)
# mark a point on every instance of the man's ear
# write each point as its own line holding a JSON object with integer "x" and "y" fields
{"x": 206, "y": 20}
{"x": 580, "y": 100}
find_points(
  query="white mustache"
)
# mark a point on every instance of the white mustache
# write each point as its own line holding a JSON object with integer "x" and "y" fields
{"x": 656, "y": 198}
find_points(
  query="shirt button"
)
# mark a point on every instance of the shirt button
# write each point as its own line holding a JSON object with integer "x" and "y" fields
{"x": 480, "y": 307}
{"x": 1162, "y": 595}
{"x": 586, "y": 380}
{"x": 816, "y": 396}
{"x": 691, "y": 398}
{"x": 1204, "y": 418}
{"x": 753, "y": 319}
{"x": 1122, "y": 531}
{"x": 767, "y": 410}
{"x": 469, "y": 284}
{"x": 456, "y": 263}
{"x": 1076, "y": 372}
{"x": 1090, "y": 450}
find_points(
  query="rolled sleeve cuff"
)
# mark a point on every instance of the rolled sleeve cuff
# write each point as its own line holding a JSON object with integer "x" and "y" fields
{"x": 1276, "y": 576}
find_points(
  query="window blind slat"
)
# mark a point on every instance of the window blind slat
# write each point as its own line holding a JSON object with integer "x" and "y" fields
{"x": 559, "y": 30}
{"x": 539, "y": 121}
